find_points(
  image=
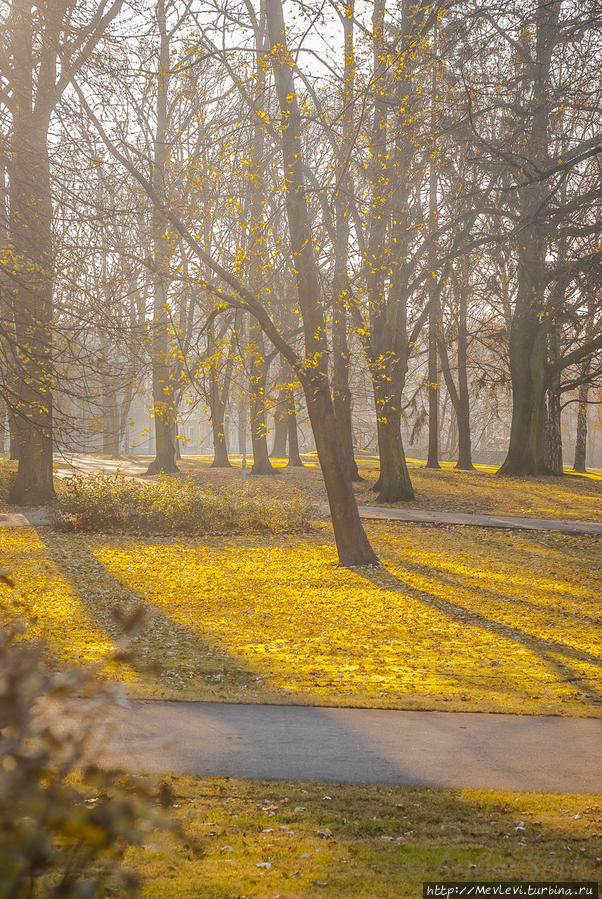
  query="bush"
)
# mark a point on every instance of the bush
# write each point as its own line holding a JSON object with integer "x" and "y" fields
{"x": 8, "y": 473}
{"x": 172, "y": 506}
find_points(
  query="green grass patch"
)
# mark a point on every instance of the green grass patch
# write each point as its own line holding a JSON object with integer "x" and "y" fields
{"x": 262, "y": 839}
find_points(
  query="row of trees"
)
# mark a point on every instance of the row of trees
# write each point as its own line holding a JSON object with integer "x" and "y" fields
{"x": 204, "y": 191}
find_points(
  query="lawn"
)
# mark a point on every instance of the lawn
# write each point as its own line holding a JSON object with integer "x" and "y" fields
{"x": 480, "y": 491}
{"x": 458, "y": 618}
{"x": 298, "y": 840}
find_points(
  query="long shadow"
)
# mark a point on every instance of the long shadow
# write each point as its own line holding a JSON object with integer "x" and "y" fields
{"x": 545, "y": 649}
{"x": 467, "y": 580}
{"x": 149, "y": 649}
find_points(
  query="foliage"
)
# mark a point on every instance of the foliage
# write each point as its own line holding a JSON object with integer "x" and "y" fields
{"x": 173, "y": 506}
{"x": 369, "y": 841}
{"x": 452, "y": 622}
{"x": 65, "y": 825}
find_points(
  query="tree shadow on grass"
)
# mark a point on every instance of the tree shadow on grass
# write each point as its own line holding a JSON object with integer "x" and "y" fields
{"x": 555, "y": 654}
{"x": 491, "y": 587}
{"x": 170, "y": 658}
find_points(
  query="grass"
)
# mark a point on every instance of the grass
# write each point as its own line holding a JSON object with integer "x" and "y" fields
{"x": 262, "y": 839}
{"x": 480, "y": 491}
{"x": 457, "y": 619}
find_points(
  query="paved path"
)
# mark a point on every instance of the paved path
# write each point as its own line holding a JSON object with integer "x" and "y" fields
{"x": 483, "y": 521}
{"x": 436, "y": 749}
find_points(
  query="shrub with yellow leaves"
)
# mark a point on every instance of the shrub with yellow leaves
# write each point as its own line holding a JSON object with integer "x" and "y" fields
{"x": 172, "y": 506}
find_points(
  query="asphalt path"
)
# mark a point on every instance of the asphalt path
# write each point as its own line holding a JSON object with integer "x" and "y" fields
{"x": 357, "y": 746}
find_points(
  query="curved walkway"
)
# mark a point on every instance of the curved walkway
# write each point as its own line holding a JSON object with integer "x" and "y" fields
{"x": 363, "y": 746}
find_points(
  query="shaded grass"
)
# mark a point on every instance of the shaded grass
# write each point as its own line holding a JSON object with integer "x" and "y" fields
{"x": 375, "y": 841}
{"x": 459, "y": 618}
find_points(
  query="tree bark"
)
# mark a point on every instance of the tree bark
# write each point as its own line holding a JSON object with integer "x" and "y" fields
{"x": 32, "y": 258}
{"x": 528, "y": 334}
{"x": 164, "y": 412}
{"x": 352, "y": 544}
{"x": 553, "y": 434}
{"x": 294, "y": 458}
{"x": 280, "y": 425}
{"x": 581, "y": 438}
{"x": 257, "y": 386}
{"x": 218, "y": 398}
{"x": 341, "y": 393}
{"x": 433, "y": 393}
{"x": 463, "y": 411}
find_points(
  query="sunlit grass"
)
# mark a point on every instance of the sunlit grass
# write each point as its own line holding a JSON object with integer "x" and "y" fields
{"x": 452, "y": 621}
{"x": 53, "y": 610}
{"x": 296, "y": 840}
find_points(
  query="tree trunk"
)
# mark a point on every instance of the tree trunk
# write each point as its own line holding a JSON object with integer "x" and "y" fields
{"x": 528, "y": 334}
{"x": 352, "y": 544}
{"x": 463, "y": 410}
{"x": 294, "y": 459}
{"x": 32, "y": 297}
{"x": 218, "y": 397}
{"x": 220, "y": 447}
{"x": 242, "y": 427}
{"x": 553, "y": 433}
{"x": 13, "y": 426}
{"x": 394, "y": 482}
{"x": 433, "y": 394}
{"x": 341, "y": 394}
{"x": 257, "y": 385}
{"x": 164, "y": 412}
{"x": 581, "y": 439}
{"x": 526, "y": 451}
{"x": 280, "y": 425}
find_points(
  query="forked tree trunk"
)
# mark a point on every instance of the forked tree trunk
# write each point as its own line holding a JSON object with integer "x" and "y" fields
{"x": 352, "y": 544}
{"x": 526, "y": 451}
{"x": 258, "y": 367}
{"x": 387, "y": 348}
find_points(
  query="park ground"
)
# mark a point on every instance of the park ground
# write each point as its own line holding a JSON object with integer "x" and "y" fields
{"x": 263, "y": 839}
{"x": 457, "y": 618}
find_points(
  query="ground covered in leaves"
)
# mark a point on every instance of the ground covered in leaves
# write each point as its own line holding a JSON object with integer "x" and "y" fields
{"x": 293, "y": 840}
{"x": 458, "y": 618}
{"x": 480, "y": 491}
